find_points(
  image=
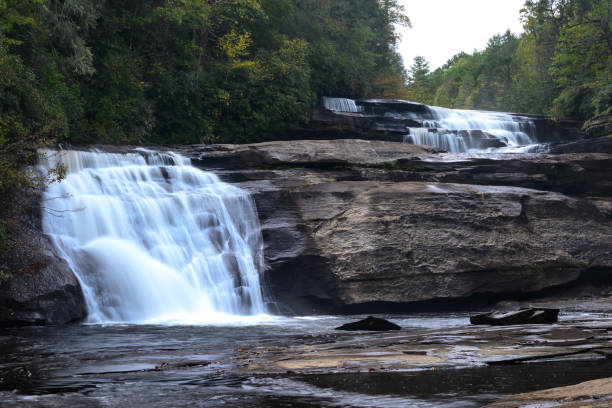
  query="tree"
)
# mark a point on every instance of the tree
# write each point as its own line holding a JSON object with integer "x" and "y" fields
{"x": 419, "y": 84}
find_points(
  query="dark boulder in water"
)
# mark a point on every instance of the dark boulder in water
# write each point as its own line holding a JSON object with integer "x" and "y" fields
{"x": 523, "y": 316}
{"x": 370, "y": 323}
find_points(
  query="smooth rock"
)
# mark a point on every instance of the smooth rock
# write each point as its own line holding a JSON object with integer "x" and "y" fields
{"x": 592, "y": 394}
{"x": 595, "y": 145}
{"x": 353, "y": 222}
{"x": 523, "y": 316}
{"x": 41, "y": 289}
{"x": 370, "y": 323}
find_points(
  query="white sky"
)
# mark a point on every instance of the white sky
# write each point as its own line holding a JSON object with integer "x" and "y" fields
{"x": 443, "y": 28}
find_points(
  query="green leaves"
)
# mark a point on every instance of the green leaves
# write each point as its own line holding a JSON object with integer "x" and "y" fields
{"x": 561, "y": 65}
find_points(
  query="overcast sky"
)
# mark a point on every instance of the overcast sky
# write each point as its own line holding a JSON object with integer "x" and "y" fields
{"x": 443, "y": 28}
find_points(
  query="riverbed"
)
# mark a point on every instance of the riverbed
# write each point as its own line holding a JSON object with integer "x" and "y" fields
{"x": 247, "y": 364}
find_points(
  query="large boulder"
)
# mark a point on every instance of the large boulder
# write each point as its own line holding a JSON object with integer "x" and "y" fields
{"x": 370, "y": 323}
{"x": 38, "y": 286}
{"x": 598, "y": 126}
{"x": 50, "y": 294}
{"x": 593, "y": 145}
{"x": 367, "y": 242}
{"x": 350, "y": 223}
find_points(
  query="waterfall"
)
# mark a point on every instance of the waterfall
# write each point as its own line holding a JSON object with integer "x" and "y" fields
{"x": 340, "y": 105}
{"x": 460, "y": 131}
{"x": 446, "y": 141}
{"x": 153, "y": 239}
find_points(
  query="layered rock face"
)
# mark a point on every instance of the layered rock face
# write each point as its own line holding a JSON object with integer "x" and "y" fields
{"x": 392, "y": 120}
{"x": 353, "y": 222}
{"x": 40, "y": 288}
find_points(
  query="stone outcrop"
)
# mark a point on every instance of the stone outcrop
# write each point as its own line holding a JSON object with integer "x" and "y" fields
{"x": 350, "y": 222}
{"x": 389, "y": 120}
{"x": 40, "y": 287}
{"x": 370, "y": 323}
{"x": 524, "y": 316}
{"x": 594, "y": 145}
{"x": 598, "y": 126}
{"x": 592, "y": 394}
{"x": 49, "y": 295}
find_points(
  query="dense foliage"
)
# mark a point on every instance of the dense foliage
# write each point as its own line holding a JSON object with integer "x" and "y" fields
{"x": 182, "y": 71}
{"x": 178, "y": 71}
{"x": 560, "y": 65}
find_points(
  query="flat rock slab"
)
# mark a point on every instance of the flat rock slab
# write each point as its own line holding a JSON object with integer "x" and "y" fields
{"x": 418, "y": 348}
{"x": 592, "y": 394}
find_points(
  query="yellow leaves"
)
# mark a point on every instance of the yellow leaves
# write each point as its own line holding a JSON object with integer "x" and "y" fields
{"x": 235, "y": 45}
{"x": 391, "y": 86}
{"x": 223, "y": 97}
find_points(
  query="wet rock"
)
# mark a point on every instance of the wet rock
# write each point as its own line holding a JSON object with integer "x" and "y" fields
{"x": 523, "y": 316}
{"x": 371, "y": 324}
{"x": 599, "y": 125}
{"x": 594, "y": 145}
{"x": 354, "y": 222}
{"x": 359, "y": 160}
{"x": 42, "y": 288}
{"x": 593, "y": 394}
{"x": 389, "y": 119}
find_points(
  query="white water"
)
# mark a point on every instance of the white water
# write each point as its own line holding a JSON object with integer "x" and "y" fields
{"x": 340, "y": 105}
{"x": 154, "y": 240}
{"x": 458, "y": 131}
{"x": 461, "y": 131}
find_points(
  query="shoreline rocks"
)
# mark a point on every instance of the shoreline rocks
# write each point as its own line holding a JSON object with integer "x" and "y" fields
{"x": 523, "y": 316}
{"x": 370, "y": 323}
{"x": 42, "y": 290}
{"x": 366, "y": 226}
{"x": 592, "y": 394}
{"x": 353, "y": 225}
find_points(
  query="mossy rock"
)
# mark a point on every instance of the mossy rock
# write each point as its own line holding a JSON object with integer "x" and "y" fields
{"x": 598, "y": 126}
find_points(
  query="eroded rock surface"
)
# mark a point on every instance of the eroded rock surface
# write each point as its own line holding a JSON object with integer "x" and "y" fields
{"x": 352, "y": 222}
{"x": 592, "y": 394}
{"x": 389, "y": 119}
{"x": 41, "y": 288}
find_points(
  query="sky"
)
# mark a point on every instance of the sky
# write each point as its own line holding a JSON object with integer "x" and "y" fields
{"x": 443, "y": 28}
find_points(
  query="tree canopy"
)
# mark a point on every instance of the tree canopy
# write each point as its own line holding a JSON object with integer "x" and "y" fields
{"x": 561, "y": 65}
{"x": 179, "y": 71}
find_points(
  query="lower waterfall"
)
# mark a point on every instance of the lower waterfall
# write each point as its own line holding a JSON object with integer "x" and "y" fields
{"x": 153, "y": 239}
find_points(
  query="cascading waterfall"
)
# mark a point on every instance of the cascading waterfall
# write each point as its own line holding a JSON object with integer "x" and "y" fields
{"x": 153, "y": 239}
{"x": 446, "y": 141}
{"x": 453, "y": 130}
{"x": 461, "y": 131}
{"x": 340, "y": 105}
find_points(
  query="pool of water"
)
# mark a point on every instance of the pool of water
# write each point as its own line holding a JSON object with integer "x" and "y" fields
{"x": 114, "y": 365}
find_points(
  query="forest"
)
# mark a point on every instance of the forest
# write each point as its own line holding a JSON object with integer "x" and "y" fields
{"x": 178, "y": 71}
{"x": 233, "y": 71}
{"x": 561, "y": 65}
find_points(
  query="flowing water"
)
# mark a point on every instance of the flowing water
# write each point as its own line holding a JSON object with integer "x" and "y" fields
{"x": 153, "y": 239}
{"x": 341, "y": 105}
{"x": 169, "y": 259}
{"x": 463, "y": 131}
{"x": 455, "y": 130}
{"x": 114, "y": 366}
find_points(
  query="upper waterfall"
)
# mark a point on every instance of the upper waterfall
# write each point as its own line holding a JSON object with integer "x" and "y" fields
{"x": 153, "y": 239}
{"x": 453, "y": 130}
{"x": 461, "y": 131}
{"x": 340, "y": 105}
